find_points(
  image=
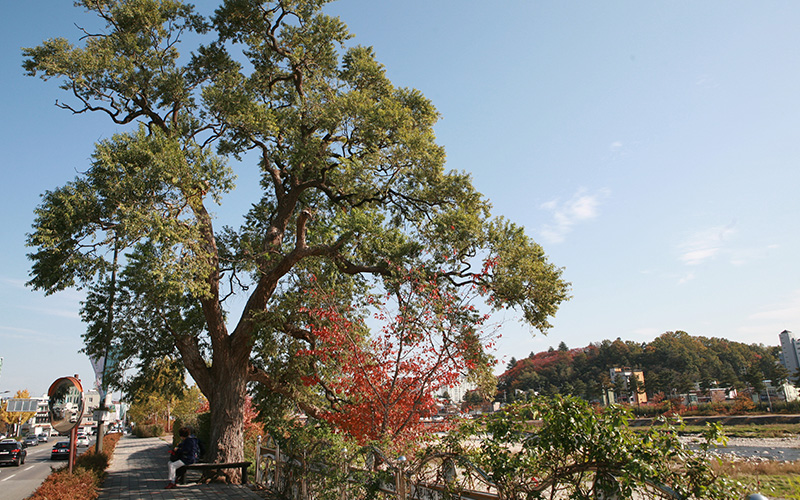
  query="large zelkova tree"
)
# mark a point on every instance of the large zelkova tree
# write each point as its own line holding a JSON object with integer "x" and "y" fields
{"x": 354, "y": 197}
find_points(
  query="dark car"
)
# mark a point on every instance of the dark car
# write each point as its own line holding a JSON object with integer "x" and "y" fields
{"x": 31, "y": 440}
{"x": 60, "y": 450}
{"x": 12, "y": 452}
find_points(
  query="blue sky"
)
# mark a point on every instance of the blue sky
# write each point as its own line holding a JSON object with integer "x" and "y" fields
{"x": 650, "y": 147}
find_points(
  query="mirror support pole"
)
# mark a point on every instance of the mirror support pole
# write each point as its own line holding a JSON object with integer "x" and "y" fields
{"x": 73, "y": 438}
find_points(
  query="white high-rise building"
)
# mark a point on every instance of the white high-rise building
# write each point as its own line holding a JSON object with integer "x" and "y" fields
{"x": 790, "y": 352}
{"x": 458, "y": 391}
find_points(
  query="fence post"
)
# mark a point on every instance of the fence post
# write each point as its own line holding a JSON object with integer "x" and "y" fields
{"x": 345, "y": 476}
{"x": 258, "y": 460}
{"x": 304, "y": 478}
{"x": 278, "y": 484}
{"x": 400, "y": 479}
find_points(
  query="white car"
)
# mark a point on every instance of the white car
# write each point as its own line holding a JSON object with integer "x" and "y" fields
{"x": 83, "y": 440}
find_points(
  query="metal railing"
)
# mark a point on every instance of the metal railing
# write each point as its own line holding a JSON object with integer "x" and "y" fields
{"x": 437, "y": 477}
{"x": 368, "y": 473}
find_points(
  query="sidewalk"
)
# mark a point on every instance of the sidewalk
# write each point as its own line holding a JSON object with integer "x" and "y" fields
{"x": 138, "y": 471}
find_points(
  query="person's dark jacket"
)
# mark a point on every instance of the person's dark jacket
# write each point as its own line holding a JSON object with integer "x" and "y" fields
{"x": 188, "y": 451}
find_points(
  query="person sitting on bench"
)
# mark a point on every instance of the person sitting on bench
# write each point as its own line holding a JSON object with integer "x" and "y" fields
{"x": 185, "y": 453}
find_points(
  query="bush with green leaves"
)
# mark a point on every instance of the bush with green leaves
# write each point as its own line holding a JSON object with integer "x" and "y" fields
{"x": 566, "y": 447}
{"x": 148, "y": 430}
{"x": 313, "y": 457}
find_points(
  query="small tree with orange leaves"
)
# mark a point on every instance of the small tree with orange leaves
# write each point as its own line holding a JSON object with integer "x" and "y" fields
{"x": 427, "y": 338}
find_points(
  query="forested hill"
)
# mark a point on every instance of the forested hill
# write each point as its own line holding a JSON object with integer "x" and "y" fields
{"x": 675, "y": 361}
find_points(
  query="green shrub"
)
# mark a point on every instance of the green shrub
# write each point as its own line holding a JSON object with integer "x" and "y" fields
{"x": 562, "y": 444}
{"x": 151, "y": 430}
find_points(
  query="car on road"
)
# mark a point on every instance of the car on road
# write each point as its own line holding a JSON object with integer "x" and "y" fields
{"x": 30, "y": 440}
{"x": 83, "y": 440}
{"x": 12, "y": 451}
{"x": 43, "y": 437}
{"x": 60, "y": 450}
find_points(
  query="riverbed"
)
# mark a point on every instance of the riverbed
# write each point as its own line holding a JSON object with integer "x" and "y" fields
{"x": 785, "y": 449}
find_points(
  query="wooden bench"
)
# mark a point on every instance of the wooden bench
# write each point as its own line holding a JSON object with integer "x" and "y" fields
{"x": 182, "y": 470}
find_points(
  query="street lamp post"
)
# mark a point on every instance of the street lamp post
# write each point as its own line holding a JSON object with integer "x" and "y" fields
{"x": 767, "y": 383}
{"x": 4, "y": 392}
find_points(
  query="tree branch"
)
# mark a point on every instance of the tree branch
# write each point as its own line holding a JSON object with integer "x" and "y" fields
{"x": 258, "y": 375}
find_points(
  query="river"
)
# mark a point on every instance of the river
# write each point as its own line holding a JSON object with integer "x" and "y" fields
{"x": 781, "y": 449}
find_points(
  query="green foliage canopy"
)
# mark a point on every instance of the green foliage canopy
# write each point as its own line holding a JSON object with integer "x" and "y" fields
{"x": 353, "y": 192}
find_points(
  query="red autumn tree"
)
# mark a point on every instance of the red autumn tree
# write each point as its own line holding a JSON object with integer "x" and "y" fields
{"x": 427, "y": 338}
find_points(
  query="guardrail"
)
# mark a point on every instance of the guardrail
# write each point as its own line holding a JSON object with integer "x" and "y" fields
{"x": 436, "y": 477}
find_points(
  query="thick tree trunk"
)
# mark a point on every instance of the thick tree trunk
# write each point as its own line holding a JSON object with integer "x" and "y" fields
{"x": 227, "y": 401}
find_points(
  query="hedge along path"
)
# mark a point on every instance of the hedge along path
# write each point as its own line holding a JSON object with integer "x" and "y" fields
{"x": 84, "y": 482}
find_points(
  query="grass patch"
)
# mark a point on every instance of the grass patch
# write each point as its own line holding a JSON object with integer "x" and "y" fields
{"x": 86, "y": 478}
{"x": 773, "y": 479}
{"x": 775, "y": 486}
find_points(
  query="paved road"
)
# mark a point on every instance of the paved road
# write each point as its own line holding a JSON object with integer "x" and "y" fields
{"x": 18, "y": 483}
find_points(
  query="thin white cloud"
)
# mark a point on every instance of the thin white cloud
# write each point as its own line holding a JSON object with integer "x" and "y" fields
{"x": 32, "y": 336}
{"x": 615, "y": 146}
{"x": 13, "y": 282}
{"x": 49, "y": 311}
{"x": 706, "y": 82}
{"x": 26, "y": 331}
{"x": 581, "y": 207}
{"x": 742, "y": 256}
{"x": 686, "y": 278}
{"x": 788, "y": 310}
{"x": 705, "y": 245}
{"x": 774, "y": 318}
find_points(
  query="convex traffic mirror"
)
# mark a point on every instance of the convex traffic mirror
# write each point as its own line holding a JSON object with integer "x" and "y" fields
{"x": 66, "y": 403}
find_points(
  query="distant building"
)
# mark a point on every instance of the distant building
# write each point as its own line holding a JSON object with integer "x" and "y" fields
{"x": 458, "y": 391}
{"x": 790, "y": 392}
{"x": 790, "y": 352}
{"x": 91, "y": 403}
{"x": 638, "y": 397}
{"x": 42, "y": 411}
{"x": 40, "y": 422}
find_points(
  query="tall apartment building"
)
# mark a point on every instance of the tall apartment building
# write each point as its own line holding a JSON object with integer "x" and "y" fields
{"x": 790, "y": 352}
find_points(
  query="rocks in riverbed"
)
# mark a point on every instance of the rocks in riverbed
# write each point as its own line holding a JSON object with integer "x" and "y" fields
{"x": 785, "y": 449}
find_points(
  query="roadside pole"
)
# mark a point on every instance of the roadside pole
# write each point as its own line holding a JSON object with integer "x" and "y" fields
{"x": 73, "y": 452}
{"x": 101, "y": 415}
{"x": 98, "y": 444}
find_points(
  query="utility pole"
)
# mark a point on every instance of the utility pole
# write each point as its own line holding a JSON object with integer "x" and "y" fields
{"x": 103, "y": 409}
{"x": 768, "y": 383}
